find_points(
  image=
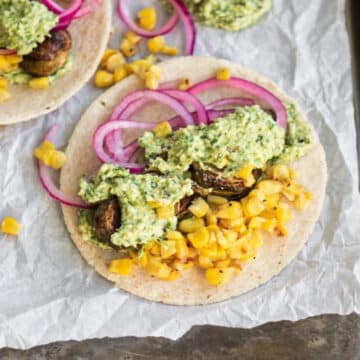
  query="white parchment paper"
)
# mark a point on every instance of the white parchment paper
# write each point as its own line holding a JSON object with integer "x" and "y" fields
{"x": 47, "y": 292}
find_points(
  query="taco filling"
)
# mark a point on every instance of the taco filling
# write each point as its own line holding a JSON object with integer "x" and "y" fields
{"x": 35, "y": 47}
{"x": 204, "y": 188}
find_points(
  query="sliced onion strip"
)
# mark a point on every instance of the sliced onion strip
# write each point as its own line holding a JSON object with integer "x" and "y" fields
{"x": 48, "y": 183}
{"x": 122, "y": 12}
{"x": 250, "y": 88}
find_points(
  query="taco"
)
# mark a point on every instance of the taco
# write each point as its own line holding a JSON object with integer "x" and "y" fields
{"x": 192, "y": 207}
{"x": 47, "y": 53}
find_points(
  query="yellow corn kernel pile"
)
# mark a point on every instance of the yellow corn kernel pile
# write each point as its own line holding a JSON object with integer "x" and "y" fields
{"x": 157, "y": 45}
{"x": 147, "y": 18}
{"x": 48, "y": 154}
{"x": 4, "y": 93}
{"x": 10, "y": 226}
{"x": 220, "y": 236}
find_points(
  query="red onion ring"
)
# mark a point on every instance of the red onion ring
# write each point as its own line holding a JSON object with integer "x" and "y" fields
{"x": 202, "y": 116}
{"x": 138, "y": 30}
{"x": 230, "y": 101}
{"x": 131, "y": 103}
{"x": 107, "y": 128}
{"x": 251, "y": 88}
{"x": 180, "y": 11}
{"x": 48, "y": 184}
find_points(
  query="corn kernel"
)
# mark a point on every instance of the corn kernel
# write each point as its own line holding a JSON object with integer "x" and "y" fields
{"x": 211, "y": 218}
{"x": 272, "y": 201}
{"x": 57, "y": 159}
{"x": 114, "y": 62}
{"x": 162, "y": 129}
{"x": 155, "y": 249}
{"x": 223, "y": 74}
{"x": 256, "y": 240}
{"x": 199, "y": 207}
{"x": 270, "y": 225}
{"x": 192, "y": 253}
{"x": 246, "y": 174}
{"x": 210, "y": 252}
{"x": 280, "y": 172}
{"x": 6, "y": 66}
{"x": 269, "y": 187}
{"x": 128, "y": 48}
{"x": 4, "y": 95}
{"x": 168, "y": 249}
{"x": 121, "y": 266}
{"x": 205, "y": 262}
{"x": 230, "y": 211}
{"x": 3, "y": 83}
{"x": 143, "y": 259}
{"x": 151, "y": 82}
{"x": 283, "y": 213}
{"x": 165, "y": 212}
{"x": 169, "y": 50}
{"x": 184, "y": 84}
{"x": 191, "y": 225}
{"x": 13, "y": 59}
{"x": 174, "y": 235}
{"x": 182, "y": 250}
{"x": 147, "y": 18}
{"x": 282, "y": 230}
{"x": 156, "y": 44}
{"x": 158, "y": 269}
{"x": 40, "y": 83}
{"x": 10, "y": 226}
{"x": 106, "y": 55}
{"x": 120, "y": 74}
{"x": 218, "y": 276}
{"x": 199, "y": 238}
{"x": 223, "y": 263}
{"x": 103, "y": 79}
{"x": 133, "y": 38}
{"x": 231, "y": 224}
{"x": 256, "y": 222}
{"x": 212, "y": 228}
{"x": 181, "y": 266}
{"x": 174, "y": 275}
{"x": 252, "y": 206}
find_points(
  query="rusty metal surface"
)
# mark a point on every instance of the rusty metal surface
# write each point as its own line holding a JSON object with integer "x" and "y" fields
{"x": 324, "y": 337}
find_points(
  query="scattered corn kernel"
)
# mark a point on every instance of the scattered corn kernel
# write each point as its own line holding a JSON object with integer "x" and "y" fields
{"x": 182, "y": 250}
{"x": 103, "y": 79}
{"x": 218, "y": 276}
{"x": 40, "y": 83}
{"x": 128, "y": 48}
{"x": 156, "y": 44}
{"x": 165, "y": 212}
{"x": 223, "y": 74}
{"x": 133, "y": 38}
{"x": 47, "y": 153}
{"x": 191, "y": 225}
{"x": 184, "y": 84}
{"x": 10, "y": 226}
{"x": 147, "y": 18}
{"x": 120, "y": 74}
{"x": 170, "y": 50}
{"x": 114, "y": 62}
{"x": 246, "y": 173}
{"x": 231, "y": 210}
{"x": 106, "y": 55}
{"x": 168, "y": 248}
{"x": 162, "y": 129}
{"x": 199, "y": 238}
{"x": 121, "y": 266}
{"x": 199, "y": 207}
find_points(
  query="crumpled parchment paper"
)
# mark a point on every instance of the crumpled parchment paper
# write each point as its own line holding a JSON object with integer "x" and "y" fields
{"x": 48, "y": 293}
